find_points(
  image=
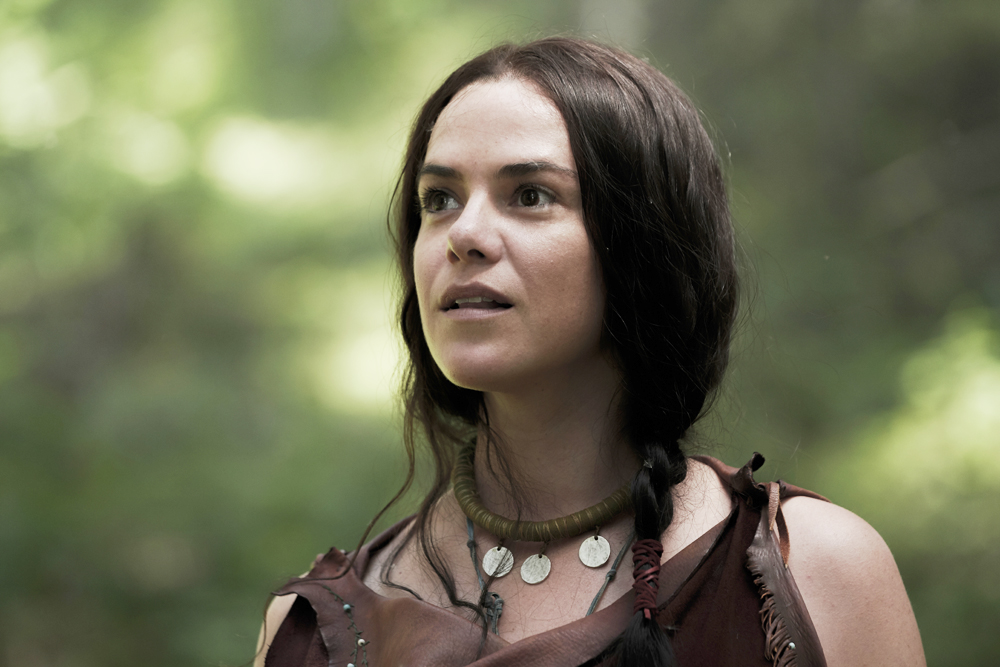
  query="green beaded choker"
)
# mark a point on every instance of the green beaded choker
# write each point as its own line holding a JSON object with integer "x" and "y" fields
{"x": 463, "y": 482}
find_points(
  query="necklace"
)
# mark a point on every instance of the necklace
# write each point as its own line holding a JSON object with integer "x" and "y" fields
{"x": 493, "y": 603}
{"x": 498, "y": 561}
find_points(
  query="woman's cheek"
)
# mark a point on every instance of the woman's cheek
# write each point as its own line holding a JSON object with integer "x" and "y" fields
{"x": 422, "y": 272}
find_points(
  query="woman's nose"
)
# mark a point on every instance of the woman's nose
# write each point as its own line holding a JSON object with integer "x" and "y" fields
{"x": 473, "y": 236}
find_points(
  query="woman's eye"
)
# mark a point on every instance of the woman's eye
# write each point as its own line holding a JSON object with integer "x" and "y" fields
{"x": 534, "y": 196}
{"x": 434, "y": 201}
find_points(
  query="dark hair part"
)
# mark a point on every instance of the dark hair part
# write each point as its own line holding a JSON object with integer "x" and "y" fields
{"x": 656, "y": 211}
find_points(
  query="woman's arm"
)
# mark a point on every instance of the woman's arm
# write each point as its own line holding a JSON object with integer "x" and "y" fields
{"x": 276, "y": 613}
{"x": 851, "y": 587}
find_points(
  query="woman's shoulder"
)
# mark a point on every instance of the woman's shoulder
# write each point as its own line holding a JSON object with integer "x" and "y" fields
{"x": 850, "y": 585}
{"x": 277, "y": 610}
{"x": 843, "y": 569}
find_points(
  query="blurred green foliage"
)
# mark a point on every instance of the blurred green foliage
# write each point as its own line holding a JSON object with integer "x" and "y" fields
{"x": 196, "y": 345}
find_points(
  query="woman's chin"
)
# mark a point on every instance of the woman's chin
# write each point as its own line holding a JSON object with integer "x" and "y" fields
{"x": 476, "y": 380}
{"x": 484, "y": 375}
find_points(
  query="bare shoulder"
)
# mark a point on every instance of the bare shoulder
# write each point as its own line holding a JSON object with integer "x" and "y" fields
{"x": 851, "y": 587}
{"x": 273, "y": 618}
{"x": 276, "y": 613}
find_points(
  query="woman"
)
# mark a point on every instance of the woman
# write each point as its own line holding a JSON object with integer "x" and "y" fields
{"x": 569, "y": 292}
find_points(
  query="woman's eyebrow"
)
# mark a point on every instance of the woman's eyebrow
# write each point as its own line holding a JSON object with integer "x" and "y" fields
{"x": 516, "y": 170}
{"x": 437, "y": 170}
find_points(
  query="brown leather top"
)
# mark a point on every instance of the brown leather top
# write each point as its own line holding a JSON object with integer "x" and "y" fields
{"x": 726, "y": 599}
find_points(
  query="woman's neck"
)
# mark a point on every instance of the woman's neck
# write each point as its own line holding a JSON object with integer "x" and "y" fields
{"x": 562, "y": 442}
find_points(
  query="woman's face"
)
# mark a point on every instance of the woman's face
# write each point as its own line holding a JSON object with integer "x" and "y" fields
{"x": 508, "y": 284}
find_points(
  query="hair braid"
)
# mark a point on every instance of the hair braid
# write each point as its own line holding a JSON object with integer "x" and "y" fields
{"x": 644, "y": 643}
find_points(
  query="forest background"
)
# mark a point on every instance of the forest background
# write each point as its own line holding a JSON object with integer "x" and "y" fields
{"x": 196, "y": 334}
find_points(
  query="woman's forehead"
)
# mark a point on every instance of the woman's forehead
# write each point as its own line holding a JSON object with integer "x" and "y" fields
{"x": 499, "y": 121}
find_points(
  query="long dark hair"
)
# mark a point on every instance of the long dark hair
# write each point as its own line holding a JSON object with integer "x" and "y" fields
{"x": 656, "y": 211}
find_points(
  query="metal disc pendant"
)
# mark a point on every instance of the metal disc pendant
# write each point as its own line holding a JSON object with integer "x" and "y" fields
{"x": 535, "y": 569}
{"x": 498, "y": 561}
{"x": 595, "y": 551}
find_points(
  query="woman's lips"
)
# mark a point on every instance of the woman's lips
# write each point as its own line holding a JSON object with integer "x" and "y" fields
{"x": 477, "y": 302}
{"x": 473, "y": 297}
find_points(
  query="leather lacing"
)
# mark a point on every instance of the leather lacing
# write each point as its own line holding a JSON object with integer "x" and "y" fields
{"x": 646, "y": 576}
